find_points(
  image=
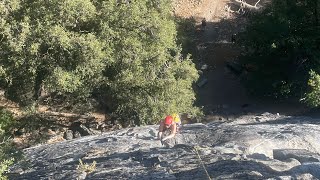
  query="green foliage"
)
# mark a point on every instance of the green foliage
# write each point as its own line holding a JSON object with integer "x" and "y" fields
{"x": 148, "y": 78}
{"x": 186, "y": 35}
{"x": 313, "y": 96}
{"x": 282, "y": 44}
{"x": 8, "y": 155}
{"x": 50, "y": 45}
{"x": 124, "y": 50}
{"x": 88, "y": 168}
{"x": 4, "y": 165}
{"x": 6, "y": 122}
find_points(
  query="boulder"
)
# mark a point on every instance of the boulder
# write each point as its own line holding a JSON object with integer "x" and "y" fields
{"x": 302, "y": 155}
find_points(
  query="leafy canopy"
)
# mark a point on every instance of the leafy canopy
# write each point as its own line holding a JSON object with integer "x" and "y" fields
{"x": 124, "y": 50}
{"x": 6, "y": 159}
{"x": 282, "y": 44}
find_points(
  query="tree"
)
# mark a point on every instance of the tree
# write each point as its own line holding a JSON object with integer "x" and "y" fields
{"x": 282, "y": 43}
{"x": 312, "y": 98}
{"x": 125, "y": 50}
{"x": 148, "y": 77}
{"x": 47, "y": 42}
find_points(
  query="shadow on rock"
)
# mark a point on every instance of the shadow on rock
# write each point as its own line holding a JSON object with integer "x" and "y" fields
{"x": 230, "y": 169}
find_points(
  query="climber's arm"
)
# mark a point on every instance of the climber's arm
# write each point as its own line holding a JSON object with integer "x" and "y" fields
{"x": 173, "y": 132}
{"x": 161, "y": 128}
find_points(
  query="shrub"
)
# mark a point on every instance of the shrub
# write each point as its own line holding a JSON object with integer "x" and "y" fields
{"x": 4, "y": 165}
{"x": 6, "y": 122}
{"x": 312, "y": 98}
{"x": 88, "y": 168}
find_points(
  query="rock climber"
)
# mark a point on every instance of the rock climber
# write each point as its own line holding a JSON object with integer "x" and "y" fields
{"x": 170, "y": 123}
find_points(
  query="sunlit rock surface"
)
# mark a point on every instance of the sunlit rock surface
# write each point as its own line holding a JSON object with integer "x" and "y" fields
{"x": 268, "y": 146}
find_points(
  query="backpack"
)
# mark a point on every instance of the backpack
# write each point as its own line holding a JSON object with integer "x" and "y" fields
{"x": 176, "y": 118}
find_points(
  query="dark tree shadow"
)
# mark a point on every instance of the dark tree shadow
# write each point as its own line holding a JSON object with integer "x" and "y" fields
{"x": 216, "y": 50}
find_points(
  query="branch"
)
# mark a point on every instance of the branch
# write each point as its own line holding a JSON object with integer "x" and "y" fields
{"x": 228, "y": 9}
{"x": 5, "y": 140}
{"x": 166, "y": 65}
{"x": 246, "y": 5}
{"x": 256, "y": 3}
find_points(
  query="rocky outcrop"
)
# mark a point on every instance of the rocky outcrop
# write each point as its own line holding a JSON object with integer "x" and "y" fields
{"x": 265, "y": 147}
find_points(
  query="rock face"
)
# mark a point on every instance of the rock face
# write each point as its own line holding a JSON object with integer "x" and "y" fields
{"x": 257, "y": 147}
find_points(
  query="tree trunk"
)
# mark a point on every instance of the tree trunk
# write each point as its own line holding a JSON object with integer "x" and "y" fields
{"x": 316, "y": 6}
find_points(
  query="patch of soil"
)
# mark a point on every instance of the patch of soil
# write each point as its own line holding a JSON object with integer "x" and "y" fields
{"x": 45, "y": 125}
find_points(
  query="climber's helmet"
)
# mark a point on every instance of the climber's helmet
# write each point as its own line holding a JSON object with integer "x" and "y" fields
{"x": 168, "y": 121}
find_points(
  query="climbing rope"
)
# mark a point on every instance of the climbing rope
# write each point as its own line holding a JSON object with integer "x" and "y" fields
{"x": 195, "y": 148}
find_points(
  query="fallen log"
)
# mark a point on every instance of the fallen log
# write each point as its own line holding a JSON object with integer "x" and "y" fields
{"x": 244, "y": 4}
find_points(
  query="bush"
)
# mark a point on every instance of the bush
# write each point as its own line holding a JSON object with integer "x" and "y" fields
{"x": 312, "y": 98}
{"x": 4, "y": 165}
{"x": 76, "y": 47}
{"x": 6, "y": 122}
